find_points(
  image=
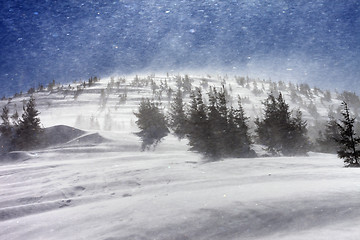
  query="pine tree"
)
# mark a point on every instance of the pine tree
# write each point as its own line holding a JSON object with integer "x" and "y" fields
{"x": 29, "y": 129}
{"x": 286, "y": 129}
{"x": 217, "y": 124}
{"x": 297, "y": 142}
{"x": 216, "y": 130}
{"x": 267, "y": 130}
{"x": 222, "y": 122}
{"x": 177, "y": 116}
{"x": 280, "y": 132}
{"x": 6, "y": 131}
{"x": 237, "y": 135}
{"x": 199, "y": 133}
{"x": 348, "y": 142}
{"x": 244, "y": 143}
{"x": 5, "y": 127}
{"x": 327, "y": 140}
{"x": 151, "y": 122}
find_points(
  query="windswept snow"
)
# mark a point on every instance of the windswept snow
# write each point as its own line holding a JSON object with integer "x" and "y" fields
{"x": 96, "y": 184}
{"x": 174, "y": 194}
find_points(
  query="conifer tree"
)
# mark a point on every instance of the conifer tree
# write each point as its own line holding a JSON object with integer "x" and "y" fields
{"x": 29, "y": 129}
{"x": 267, "y": 128}
{"x": 151, "y": 122}
{"x": 286, "y": 134}
{"x": 222, "y": 122}
{"x": 348, "y": 142}
{"x": 216, "y": 130}
{"x": 297, "y": 141}
{"x": 199, "y": 133}
{"x": 5, "y": 127}
{"x": 279, "y": 131}
{"x": 244, "y": 140}
{"x": 217, "y": 124}
{"x": 6, "y": 131}
{"x": 177, "y": 116}
{"x": 327, "y": 141}
{"x": 237, "y": 136}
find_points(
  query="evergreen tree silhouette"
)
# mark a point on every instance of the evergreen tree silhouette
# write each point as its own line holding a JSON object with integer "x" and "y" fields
{"x": 267, "y": 128}
{"x": 29, "y": 130}
{"x": 348, "y": 142}
{"x": 218, "y": 131}
{"x": 177, "y": 116}
{"x": 5, "y": 127}
{"x": 242, "y": 139}
{"x": 297, "y": 141}
{"x": 328, "y": 140}
{"x": 280, "y": 132}
{"x": 199, "y": 133}
{"x": 217, "y": 125}
{"x": 151, "y": 122}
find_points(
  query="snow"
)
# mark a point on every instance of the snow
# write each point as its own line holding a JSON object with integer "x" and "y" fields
{"x": 104, "y": 187}
{"x": 109, "y": 194}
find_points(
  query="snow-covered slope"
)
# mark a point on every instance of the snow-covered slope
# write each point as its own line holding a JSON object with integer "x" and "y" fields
{"x": 98, "y": 185}
{"x": 86, "y": 109}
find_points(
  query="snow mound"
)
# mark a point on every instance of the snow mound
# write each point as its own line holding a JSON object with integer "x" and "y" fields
{"x": 60, "y": 134}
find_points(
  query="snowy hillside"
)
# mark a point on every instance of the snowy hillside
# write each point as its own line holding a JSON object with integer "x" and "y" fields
{"x": 91, "y": 181}
{"x": 77, "y": 104}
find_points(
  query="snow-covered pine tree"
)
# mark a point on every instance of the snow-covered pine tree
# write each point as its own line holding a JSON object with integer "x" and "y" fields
{"x": 29, "y": 130}
{"x": 151, "y": 122}
{"x": 177, "y": 116}
{"x": 348, "y": 142}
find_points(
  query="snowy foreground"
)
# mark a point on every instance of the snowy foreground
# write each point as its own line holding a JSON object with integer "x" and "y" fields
{"x": 100, "y": 186}
{"x": 117, "y": 192}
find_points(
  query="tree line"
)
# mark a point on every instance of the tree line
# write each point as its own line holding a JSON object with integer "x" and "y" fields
{"x": 218, "y": 130}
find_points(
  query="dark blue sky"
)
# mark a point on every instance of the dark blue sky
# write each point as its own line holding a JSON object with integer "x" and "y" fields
{"x": 306, "y": 41}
